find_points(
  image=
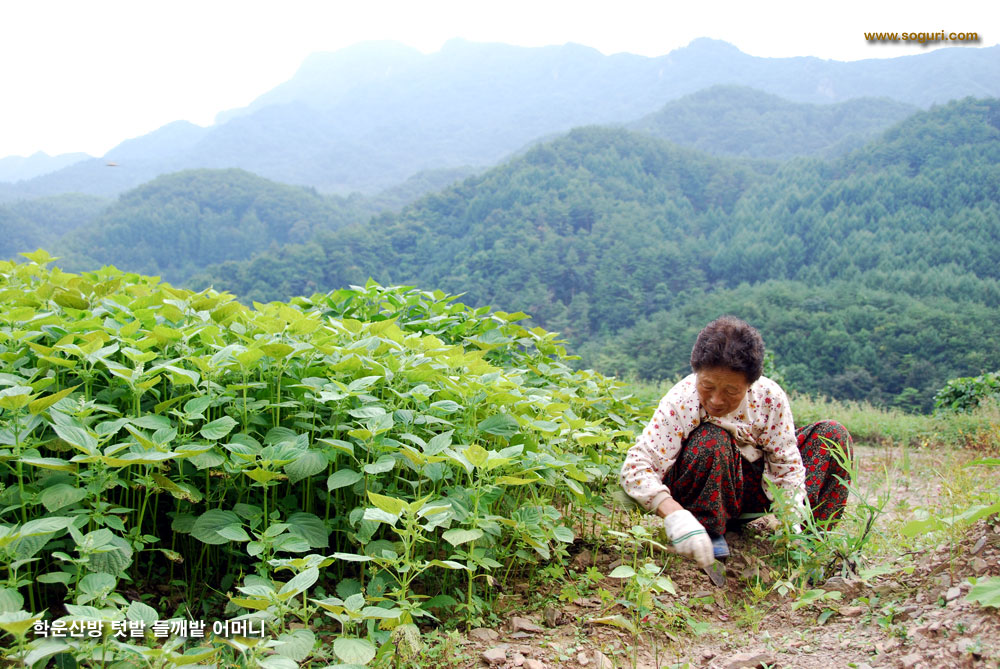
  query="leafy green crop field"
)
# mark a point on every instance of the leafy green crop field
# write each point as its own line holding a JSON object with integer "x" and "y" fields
{"x": 341, "y": 480}
{"x": 336, "y": 468}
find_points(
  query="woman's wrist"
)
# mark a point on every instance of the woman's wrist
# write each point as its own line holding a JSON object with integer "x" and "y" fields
{"x": 667, "y": 507}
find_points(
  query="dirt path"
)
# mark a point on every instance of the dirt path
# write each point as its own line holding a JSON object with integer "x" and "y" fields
{"x": 915, "y": 614}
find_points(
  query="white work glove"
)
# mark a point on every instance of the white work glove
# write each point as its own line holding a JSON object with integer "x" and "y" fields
{"x": 689, "y": 537}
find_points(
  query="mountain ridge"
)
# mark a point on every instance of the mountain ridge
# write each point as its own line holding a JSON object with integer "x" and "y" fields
{"x": 21, "y": 168}
{"x": 742, "y": 121}
{"x": 473, "y": 104}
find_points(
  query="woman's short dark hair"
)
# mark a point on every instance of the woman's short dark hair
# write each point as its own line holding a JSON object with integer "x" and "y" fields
{"x": 732, "y": 343}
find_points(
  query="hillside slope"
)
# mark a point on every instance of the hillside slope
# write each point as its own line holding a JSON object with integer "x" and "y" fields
{"x": 31, "y": 224}
{"x": 741, "y": 121}
{"x": 180, "y": 222}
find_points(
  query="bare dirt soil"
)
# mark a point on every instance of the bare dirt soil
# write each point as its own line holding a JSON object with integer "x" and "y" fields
{"x": 913, "y": 615}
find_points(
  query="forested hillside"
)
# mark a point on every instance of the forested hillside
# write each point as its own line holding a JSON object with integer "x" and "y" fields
{"x": 178, "y": 223}
{"x": 742, "y": 121}
{"x": 30, "y": 224}
{"x": 596, "y": 213}
{"x": 872, "y": 276}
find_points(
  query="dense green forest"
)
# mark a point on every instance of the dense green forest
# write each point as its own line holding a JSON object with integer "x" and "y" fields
{"x": 178, "y": 223}
{"x": 522, "y": 232}
{"x": 849, "y": 339}
{"x": 28, "y": 224}
{"x": 871, "y": 276}
{"x": 742, "y": 121}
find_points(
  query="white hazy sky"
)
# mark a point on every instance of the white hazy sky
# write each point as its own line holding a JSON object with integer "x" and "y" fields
{"x": 85, "y": 75}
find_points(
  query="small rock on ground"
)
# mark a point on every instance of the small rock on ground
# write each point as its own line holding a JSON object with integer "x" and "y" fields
{"x": 964, "y": 646}
{"x": 484, "y": 635}
{"x": 582, "y": 560}
{"x": 495, "y": 656}
{"x": 518, "y": 624}
{"x": 553, "y": 616}
{"x": 602, "y": 661}
{"x": 944, "y": 580}
{"x": 752, "y": 659}
{"x": 534, "y": 664}
{"x": 848, "y": 586}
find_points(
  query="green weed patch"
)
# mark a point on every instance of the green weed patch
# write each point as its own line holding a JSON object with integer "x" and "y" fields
{"x": 977, "y": 429}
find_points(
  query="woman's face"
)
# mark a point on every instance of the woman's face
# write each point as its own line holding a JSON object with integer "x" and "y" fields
{"x": 720, "y": 389}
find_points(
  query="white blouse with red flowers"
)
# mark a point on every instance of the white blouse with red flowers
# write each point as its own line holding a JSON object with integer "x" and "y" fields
{"x": 761, "y": 424}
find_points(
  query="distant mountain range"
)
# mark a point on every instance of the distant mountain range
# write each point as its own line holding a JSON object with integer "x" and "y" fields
{"x": 19, "y": 168}
{"x": 723, "y": 120}
{"x": 368, "y": 117}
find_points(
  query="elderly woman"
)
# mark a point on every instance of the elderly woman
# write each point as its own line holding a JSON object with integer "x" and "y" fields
{"x": 719, "y": 437}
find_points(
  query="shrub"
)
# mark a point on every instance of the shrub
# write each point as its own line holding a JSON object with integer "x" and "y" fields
{"x": 965, "y": 394}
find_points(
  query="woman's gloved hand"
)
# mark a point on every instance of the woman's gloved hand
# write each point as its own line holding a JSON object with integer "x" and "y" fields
{"x": 689, "y": 537}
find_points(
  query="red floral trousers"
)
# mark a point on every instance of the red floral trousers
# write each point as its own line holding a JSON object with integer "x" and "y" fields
{"x": 713, "y": 481}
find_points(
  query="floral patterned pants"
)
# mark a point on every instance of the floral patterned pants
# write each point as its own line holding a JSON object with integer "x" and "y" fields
{"x": 713, "y": 481}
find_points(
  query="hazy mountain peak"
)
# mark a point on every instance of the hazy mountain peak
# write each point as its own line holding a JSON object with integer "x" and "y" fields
{"x": 458, "y": 43}
{"x": 327, "y": 78}
{"x": 19, "y": 168}
{"x": 169, "y": 140}
{"x": 708, "y": 44}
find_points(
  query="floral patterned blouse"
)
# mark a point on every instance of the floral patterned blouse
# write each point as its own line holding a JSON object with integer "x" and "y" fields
{"x": 762, "y": 426}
